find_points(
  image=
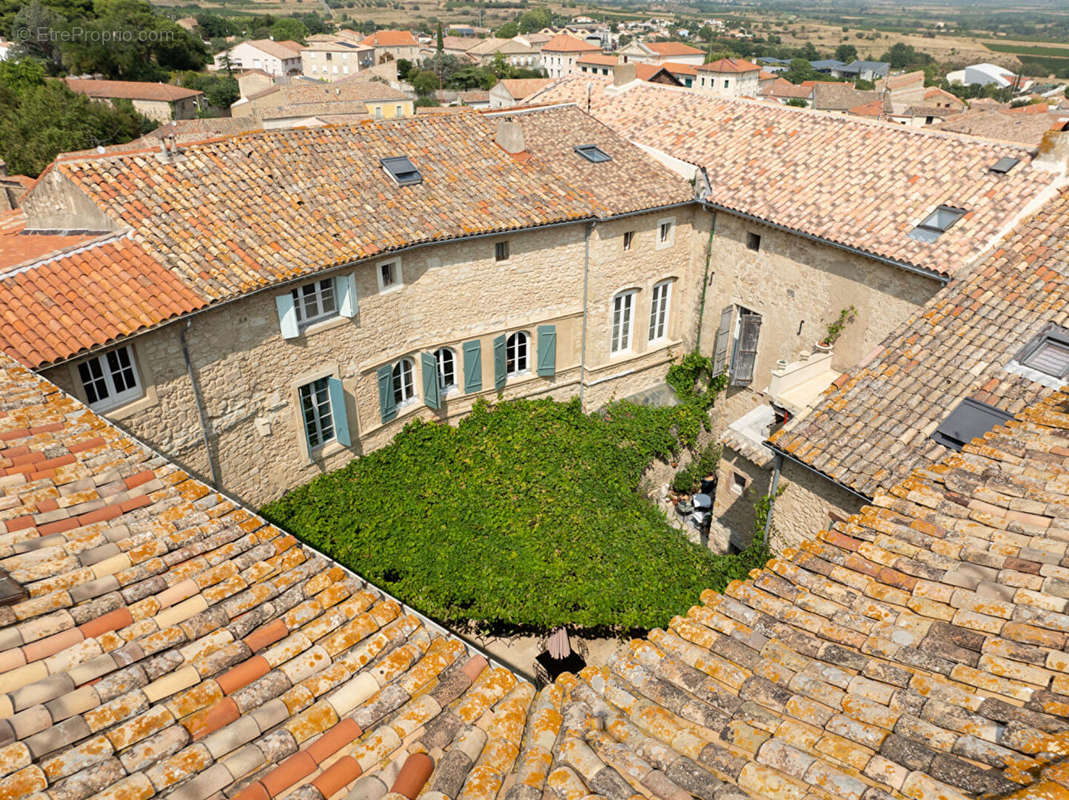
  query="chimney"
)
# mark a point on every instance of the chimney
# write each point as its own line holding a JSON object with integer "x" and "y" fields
{"x": 509, "y": 136}
{"x": 623, "y": 74}
{"x": 1053, "y": 153}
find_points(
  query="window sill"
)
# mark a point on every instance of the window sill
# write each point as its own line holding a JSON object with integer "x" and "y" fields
{"x": 325, "y": 451}
{"x": 391, "y": 289}
{"x": 129, "y": 408}
{"x": 325, "y": 325}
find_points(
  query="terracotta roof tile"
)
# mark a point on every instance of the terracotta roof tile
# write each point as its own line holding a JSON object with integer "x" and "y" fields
{"x": 729, "y": 65}
{"x": 914, "y": 651}
{"x": 131, "y": 90}
{"x": 672, "y": 48}
{"x": 847, "y": 180}
{"x": 519, "y": 88}
{"x": 390, "y": 39}
{"x": 305, "y": 180}
{"x": 563, "y": 43}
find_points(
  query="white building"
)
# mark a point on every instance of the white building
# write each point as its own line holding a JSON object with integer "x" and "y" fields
{"x": 984, "y": 74}
{"x": 334, "y": 60}
{"x": 729, "y": 77}
{"x": 561, "y": 52}
{"x": 274, "y": 58}
{"x": 658, "y": 53}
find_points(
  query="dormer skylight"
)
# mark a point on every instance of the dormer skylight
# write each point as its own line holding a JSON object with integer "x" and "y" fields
{"x": 593, "y": 153}
{"x": 1045, "y": 359}
{"x": 969, "y": 420}
{"x": 936, "y": 224}
{"x": 402, "y": 170}
{"x": 1005, "y": 164}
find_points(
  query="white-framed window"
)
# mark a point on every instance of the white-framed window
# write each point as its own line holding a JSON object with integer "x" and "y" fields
{"x": 516, "y": 353}
{"x": 623, "y": 308}
{"x": 398, "y": 111}
{"x": 666, "y": 232}
{"x": 316, "y": 412}
{"x": 445, "y": 363}
{"x": 629, "y": 238}
{"x": 315, "y": 302}
{"x": 378, "y": 112}
{"x": 660, "y": 300}
{"x": 110, "y": 379}
{"x": 403, "y": 382}
{"x": 389, "y": 274}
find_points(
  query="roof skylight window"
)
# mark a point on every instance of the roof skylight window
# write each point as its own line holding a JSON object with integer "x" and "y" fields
{"x": 402, "y": 170}
{"x": 1005, "y": 164}
{"x": 936, "y": 224}
{"x": 969, "y": 420}
{"x": 591, "y": 152}
{"x": 1048, "y": 352}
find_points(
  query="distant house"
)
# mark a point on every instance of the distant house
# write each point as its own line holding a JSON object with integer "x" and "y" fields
{"x": 843, "y": 98}
{"x": 188, "y": 23}
{"x": 597, "y": 63}
{"x": 660, "y": 52}
{"x": 159, "y": 101}
{"x": 274, "y": 58}
{"x": 335, "y": 59}
{"x": 827, "y": 66}
{"x": 783, "y": 90}
{"x": 685, "y": 74}
{"x": 393, "y": 45}
{"x": 729, "y": 77}
{"x": 515, "y": 53}
{"x": 561, "y": 52}
{"x": 512, "y": 91}
{"x": 865, "y": 70}
{"x": 986, "y": 74}
{"x": 307, "y": 100}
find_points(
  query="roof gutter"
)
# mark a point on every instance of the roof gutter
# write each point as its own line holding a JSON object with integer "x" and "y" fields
{"x": 927, "y": 273}
{"x": 779, "y": 451}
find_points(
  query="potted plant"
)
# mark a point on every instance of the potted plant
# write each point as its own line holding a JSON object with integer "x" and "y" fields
{"x": 835, "y": 328}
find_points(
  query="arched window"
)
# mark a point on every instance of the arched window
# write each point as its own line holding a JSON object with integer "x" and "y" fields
{"x": 660, "y": 300}
{"x": 516, "y": 350}
{"x": 623, "y": 309}
{"x": 402, "y": 381}
{"x": 445, "y": 361}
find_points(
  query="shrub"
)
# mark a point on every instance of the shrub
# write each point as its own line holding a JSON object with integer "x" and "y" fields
{"x": 525, "y": 516}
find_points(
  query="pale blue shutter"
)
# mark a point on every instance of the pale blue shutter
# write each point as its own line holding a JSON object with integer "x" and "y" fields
{"x": 547, "y": 350}
{"x": 723, "y": 340}
{"x": 345, "y": 291}
{"x": 287, "y": 316}
{"x": 338, "y": 411}
{"x": 386, "y": 404}
{"x": 430, "y": 380}
{"x": 473, "y": 366}
{"x": 500, "y": 365}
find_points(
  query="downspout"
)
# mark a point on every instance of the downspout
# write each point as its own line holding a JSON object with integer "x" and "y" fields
{"x": 200, "y": 404}
{"x": 586, "y": 286}
{"x": 772, "y": 496}
{"x": 705, "y": 280}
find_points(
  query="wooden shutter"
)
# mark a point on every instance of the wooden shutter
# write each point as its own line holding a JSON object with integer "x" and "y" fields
{"x": 386, "y": 404}
{"x": 287, "y": 316}
{"x": 723, "y": 339}
{"x": 742, "y": 368}
{"x": 473, "y": 366}
{"x": 345, "y": 292}
{"x": 338, "y": 411}
{"x": 547, "y": 350}
{"x": 500, "y": 373}
{"x": 429, "y": 368}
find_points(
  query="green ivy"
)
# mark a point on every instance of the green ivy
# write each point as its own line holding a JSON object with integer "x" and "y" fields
{"x": 525, "y": 516}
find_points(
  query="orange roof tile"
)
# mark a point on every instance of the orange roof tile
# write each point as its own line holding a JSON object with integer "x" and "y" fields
{"x": 672, "y": 49}
{"x": 390, "y": 39}
{"x": 730, "y": 65}
{"x": 680, "y": 69}
{"x": 563, "y": 43}
{"x": 131, "y": 90}
{"x": 599, "y": 59}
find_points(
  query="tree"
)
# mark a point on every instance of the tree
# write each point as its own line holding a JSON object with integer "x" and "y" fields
{"x": 508, "y": 31}
{"x": 289, "y": 30}
{"x": 30, "y": 21}
{"x": 440, "y": 40}
{"x": 902, "y": 55}
{"x": 500, "y": 67}
{"x": 213, "y": 26}
{"x": 846, "y": 53}
{"x": 40, "y": 120}
{"x": 705, "y": 33}
{"x": 425, "y": 83}
{"x": 534, "y": 19}
{"x": 801, "y": 70}
{"x": 798, "y": 102}
{"x": 404, "y": 66}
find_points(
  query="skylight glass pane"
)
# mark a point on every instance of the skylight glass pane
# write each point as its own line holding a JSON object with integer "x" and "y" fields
{"x": 1005, "y": 164}
{"x": 970, "y": 420}
{"x": 402, "y": 170}
{"x": 1051, "y": 358}
{"x": 942, "y": 218}
{"x": 592, "y": 152}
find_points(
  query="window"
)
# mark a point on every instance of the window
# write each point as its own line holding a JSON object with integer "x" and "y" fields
{"x": 753, "y": 241}
{"x": 399, "y": 167}
{"x": 936, "y": 224}
{"x": 110, "y": 379}
{"x": 738, "y": 483}
{"x": 628, "y": 238}
{"x": 1004, "y": 164}
{"x": 315, "y": 407}
{"x": 403, "y": 387}
{"x": 665, "y": 232}
{"x": 314, "y": 302}
{"x": 593, "y": 153}
{"x": 1048, "y": 352}
{"x": 445, "y": 361}
{"x": 622, "y": 308}
{"x": 659, "y": 310}
{"x": 968, "y": 420}
{"x": 516, "y": 353}
{"x": 727, "y": 83}
{"x": 389, "y": 276}
{"x": 397, "y": 110}
{"x": 501, "y": 251}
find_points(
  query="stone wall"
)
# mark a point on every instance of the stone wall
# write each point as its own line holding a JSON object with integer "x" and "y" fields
{"x": 809, "y": 503}
{"x": 452, "y": 293}
{"x": 740, "y": 484}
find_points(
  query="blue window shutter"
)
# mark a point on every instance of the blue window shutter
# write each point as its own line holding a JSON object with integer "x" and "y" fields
{"x": 547, "y": 350}
{"x": 473, "y": 366}
{"x": 386, "y": 403}
{"x": 430, "y": 380}
{"x": 338, "y": 412}
{"x": 499, "y": 363}
{"x": 287, "y": 316}
{"x": 345, "y": 291}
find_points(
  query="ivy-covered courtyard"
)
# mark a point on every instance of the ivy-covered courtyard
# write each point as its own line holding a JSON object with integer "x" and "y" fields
{"x": 525, "y": 516}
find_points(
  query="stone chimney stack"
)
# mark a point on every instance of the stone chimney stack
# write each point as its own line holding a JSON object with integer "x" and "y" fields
{"x": 623, "y": 74}
{"x": 509, "y": 136}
